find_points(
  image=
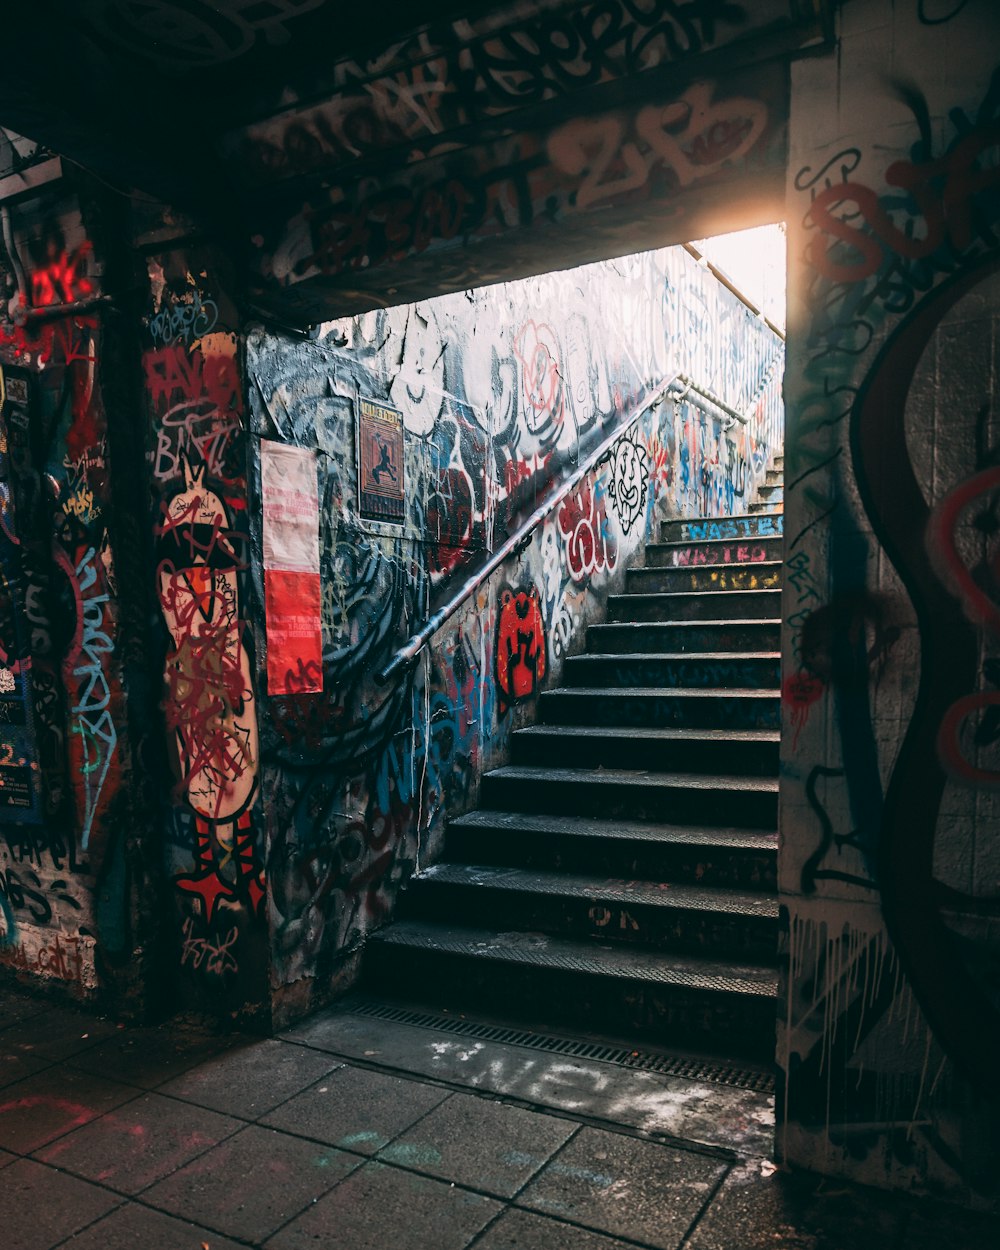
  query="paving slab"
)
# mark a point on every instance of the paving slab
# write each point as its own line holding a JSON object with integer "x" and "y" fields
{"x": 16, "y": 1065}
{"x": 42, "y": 1206}
{"x": 15, "y": 1006}
{"x": 252, "y": 1183}
{"x": 134, "y": 1227}
{"x": 58, "y": 1033}
{"x": 708, "y": 1113}
{"x": 626, "y": 1187}
{"x": 483, "y": 1145}
{"x": 524, "y": 1230}
{"x": 150, "y": 1057}
{"x": 41, "y": 1108}
{"x": 357, "y": 1109}
{"x": 761, "y": 1209}
{"x": 140, "y": 1143}
{"x": 446, "y": 1161}
{"x": 251, "y": 1079}
{"x": 382, "y": 1206}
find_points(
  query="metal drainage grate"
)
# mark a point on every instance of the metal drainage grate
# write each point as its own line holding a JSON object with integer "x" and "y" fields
{"x": 640, "y": 1060}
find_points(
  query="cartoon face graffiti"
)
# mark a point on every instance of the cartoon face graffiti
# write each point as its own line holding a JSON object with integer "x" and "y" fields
{"x": 209, "y": 702}
{"x": 520, "y": 646}
{"x": 629, "y": 479}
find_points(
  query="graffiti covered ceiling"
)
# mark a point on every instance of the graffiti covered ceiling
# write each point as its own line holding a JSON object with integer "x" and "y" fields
{"x": 477, "y": 141}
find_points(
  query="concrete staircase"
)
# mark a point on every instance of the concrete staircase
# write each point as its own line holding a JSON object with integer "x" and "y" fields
{"x": 619, "y": 877}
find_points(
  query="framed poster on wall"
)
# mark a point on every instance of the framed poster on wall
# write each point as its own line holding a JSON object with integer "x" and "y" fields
{"x": 380, "y": 462}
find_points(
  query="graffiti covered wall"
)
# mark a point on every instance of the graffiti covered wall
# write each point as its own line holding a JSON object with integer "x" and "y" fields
{"x": 890, "y": 867}
{"x": 457, "y": 416}
{"x": 65, "y": 902}
{"x": 197, "y": 469}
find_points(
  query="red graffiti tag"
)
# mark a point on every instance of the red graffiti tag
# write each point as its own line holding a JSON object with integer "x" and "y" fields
{"x": 62, "y": 281}
{"x": 944, "y": 191}
{"x": 176, "y": 372}
{"x": 583, "y": 524}
{"x": 970, "y": 586}
{"x": 978, "y": 606}
{"x": 799, "y": 692}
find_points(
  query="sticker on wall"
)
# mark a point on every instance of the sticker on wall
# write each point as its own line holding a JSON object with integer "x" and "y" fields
{"x": 16, "y": 390}
{"x": 16, "y": 788}
{"x": 291, "y": 569}
{"x": 380, "y": 462}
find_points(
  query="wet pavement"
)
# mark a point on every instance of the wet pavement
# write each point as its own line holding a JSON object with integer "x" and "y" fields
{"x": 351, "y": 1131}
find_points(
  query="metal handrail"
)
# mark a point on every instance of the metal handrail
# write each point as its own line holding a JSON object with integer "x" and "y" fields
{"x": 701, "y": 393}
{"x": 408, "y": 653}
{"x": 742, "y": 417}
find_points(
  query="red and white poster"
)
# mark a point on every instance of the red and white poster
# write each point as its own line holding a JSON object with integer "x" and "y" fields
{"x": 291, "y": 569}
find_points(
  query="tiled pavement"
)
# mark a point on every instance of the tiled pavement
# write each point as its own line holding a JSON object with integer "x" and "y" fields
{"x": 350, "y": 1133}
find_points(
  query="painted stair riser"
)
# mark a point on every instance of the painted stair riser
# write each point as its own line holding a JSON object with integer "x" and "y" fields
{"x": 695, "y": 606}
{"x": 748, "y": 809}
{"x": 739, "y": 528}
{"x": 666, "y": 711}
{"x": 706, "y": 554}
{"x": 763, "y": 507}
{"x": 682, "y": 930}
{"x": 771, "y": 492}
{"x": 704, "y": 580}
{"x": 594, "y": 749}
{"x": 643, "y": 638}
{"x": 637, "y": 860}
{"x": 638, "y": 670}
{"x": 714, "y": 1022}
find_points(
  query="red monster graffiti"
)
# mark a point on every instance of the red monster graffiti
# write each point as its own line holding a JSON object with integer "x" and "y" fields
{"x": 520, "y": 646}
{"x": 209, "y": 703}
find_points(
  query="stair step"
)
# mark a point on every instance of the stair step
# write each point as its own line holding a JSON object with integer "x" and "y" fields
{"x": 634, "y": 794}
{"x": 640, "y": 637}
{"x": 689, "y": 918}
{"x": 681, "y": 750}
{"x": 695, "y": 529}
{"x": 624, "y": 865}
{"x": 707, "y": 579}
{"x": 749, "y": 669}
{"x": 771, "y": 491}
{"x": 680, "y": 1000}
{"x": 712, "y": 551}
{"x": 741, "y": 858}
{"x": 679, "y": 707}
{"x": 694, "y": 606}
